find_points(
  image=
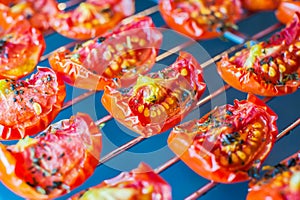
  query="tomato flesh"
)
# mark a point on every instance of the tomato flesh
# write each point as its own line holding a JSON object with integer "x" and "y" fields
{"x": 21, "y": 45}
{"x": 269, "y": 68}
{"x": 29, "y": 106}
{"x": 54, "y": 162}
{"x": 91, "y": 18}
{"x": 280, "y": 182}
{"x": 200, "y": 19}
{"x": 227, "y": 143}
{"x": 38, "y": 13}
{"x": 159, "y": 100}
{"x": 129, "y": 50}
{"x": 140, "y": 183}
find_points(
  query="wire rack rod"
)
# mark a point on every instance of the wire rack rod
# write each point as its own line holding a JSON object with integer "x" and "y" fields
{"x": 206, "y": 188}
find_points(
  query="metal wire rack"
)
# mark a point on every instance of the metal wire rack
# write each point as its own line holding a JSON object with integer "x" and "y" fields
{"x": 184, "y": 182}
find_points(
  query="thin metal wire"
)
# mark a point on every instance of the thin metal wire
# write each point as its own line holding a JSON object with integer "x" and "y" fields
{"x": 203, "y": 190}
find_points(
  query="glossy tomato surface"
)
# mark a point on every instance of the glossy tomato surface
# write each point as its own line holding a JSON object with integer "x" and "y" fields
{"x": 269, "y": 68}
{"x": 200, "y": 19}
{"x": 28, "y": 106}
{"x": 127, "y": 51}
{"x": 55, "y": 161}
{"x": 141, "y": 183}
{"x": 21, "y": 45}
{"x": 91, "y": 18}
{"x": 286, "y": 10}
{"x": 229, "y": 143}
{"x": 158, "y": 100}
{"x": 37, "y": 12}
{"x": 279, "y": 182}
{"x": 258, "y": 5}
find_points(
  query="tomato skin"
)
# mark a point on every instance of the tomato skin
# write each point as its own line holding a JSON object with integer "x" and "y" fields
{"x": 85, "y": 22}
{"x": 179, "y": 18}
{"x": 70, "y": 153}
{"x": 29, "y": 106}
{"x": 38, "y": 12}
{"x": 97, "y": 63}
{"x": 21, "y": 45}
{"x": 279, "y": 182}
{"x": 169, "y": 95}
{"x": 267, "y": 68}
{"x": 286, "y": 10}
{"x": 225, "y": 144}
{"x": 256, "y": 5}
{"x": 142, "y": 183}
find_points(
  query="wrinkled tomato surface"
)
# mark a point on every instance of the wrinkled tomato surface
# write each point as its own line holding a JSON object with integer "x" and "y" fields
{"x": 229, "y": 143}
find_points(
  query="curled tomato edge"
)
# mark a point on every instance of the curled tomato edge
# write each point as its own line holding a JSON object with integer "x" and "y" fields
{"x": 286, "y": 11}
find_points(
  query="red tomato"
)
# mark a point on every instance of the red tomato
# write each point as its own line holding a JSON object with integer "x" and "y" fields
{"x": 280, "y": 182}
{"x": 200, "y": 19}
{"x": 54, "y": 162}
{"x": 124, "y": 53}
{"x": 258, "y": 5}
{"x": 229, "y": 143}
{"x": 269, "y": 68}
{"x": 92, "y": 18}
{"x": 29, "y": 106}
{"x": 20, "y": 45}
{"x": 158, "y": 101}
{"x": 38, "y": 12}
{"x": 286, "y": 10}
{"x": 141, "y": 183}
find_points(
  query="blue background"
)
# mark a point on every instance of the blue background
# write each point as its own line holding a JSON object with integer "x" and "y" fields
{"x": 182, "y": 179}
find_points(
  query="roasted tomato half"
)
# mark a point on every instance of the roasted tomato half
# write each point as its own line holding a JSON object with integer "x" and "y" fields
{"x": 286, "y": 10}
{"x": 29, "y": 106}
{"x": 141, "y": 183}
{"x": 91, "y": 18}
{"x": 228, "y": 144}
{"x": 281, "y": 182}
{"x": 257, "y": 5}
{"x": 158, "y": 101}
{"x": 20, "y": 45}
{"x": 55, "y": 161}
{"x": 37, "y": 12}
{"x": 200, "y": 19}
{"x": 124, "y": 53}
{"x": 270, "y": 68}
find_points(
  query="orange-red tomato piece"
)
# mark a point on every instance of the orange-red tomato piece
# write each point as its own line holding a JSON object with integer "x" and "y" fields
{"x": 54, "y": 162}
{"x": 37, "y": 12}
{"x": 200, "y": 19}
{"x": 141, "y": 183}
{"x": 229, "y": 143}
{"x": 269, "y": 68}
{"x": 157, "y": 101}
{"x": 124, "y": 53}
{"x": 279, "y": 182}
{"x": 286, "y": 10}
{"x": 29, "y": 106}
{"x": 21, "y": 45}
{"x": 91, "y": 18}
